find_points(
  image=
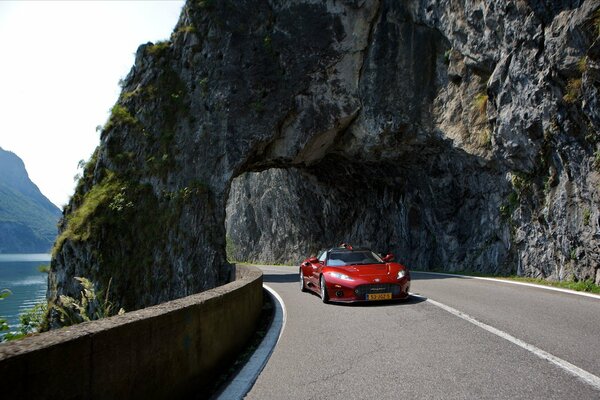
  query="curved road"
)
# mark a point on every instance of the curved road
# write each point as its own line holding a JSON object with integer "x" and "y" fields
{"x": 454, "y": 342}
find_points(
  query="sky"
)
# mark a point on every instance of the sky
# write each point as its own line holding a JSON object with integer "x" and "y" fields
{"x": 60, "y": 66}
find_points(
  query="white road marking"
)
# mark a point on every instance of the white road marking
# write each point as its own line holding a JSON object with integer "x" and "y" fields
{"x": 587, "y": 377}
{"x": 241, "y": 384}
{"x": 556, "y": 289}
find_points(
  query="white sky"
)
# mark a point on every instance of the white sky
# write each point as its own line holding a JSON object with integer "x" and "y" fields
{"x": 60, "y": 64}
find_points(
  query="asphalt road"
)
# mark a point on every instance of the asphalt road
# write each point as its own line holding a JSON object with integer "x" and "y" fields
{"x": 418, "y": 350}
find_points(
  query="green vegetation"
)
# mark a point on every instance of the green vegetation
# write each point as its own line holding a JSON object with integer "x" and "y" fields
{"x": 79, "y": 221}
{"x": 573, "y": 90}
{"x": 129, "y": 95}
{"x": 121, "y": 222}
{"x": 31, "y": 321}
{"x": 580, "y": 286}
{"x": 183, "y": 30}
{"x": 573, "y": 254}
{"x": 203, "y": 83}
{"x": 522, "y": 185}
{"x": 586, "y": 216}
{"x": 120, "y": 116}
{"x": 447, "y": 55}
{"x": 582, "y": 65}
{"x": 480, "y": 103}
{"x": 229, "y": 248}
{"x": 159, "y": 48}
{"x": 4, "y": 293}
{"x": 509, "y": 207}
{"x": 90, "y": 306}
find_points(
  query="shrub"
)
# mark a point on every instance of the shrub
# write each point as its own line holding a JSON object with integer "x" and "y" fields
{"x": 4, "y": 293}
{"x": 31, "y": 321}
{"x": 159, "y": 48}
{"x": 120, "y": 116}
{"x": 573, "y": 90}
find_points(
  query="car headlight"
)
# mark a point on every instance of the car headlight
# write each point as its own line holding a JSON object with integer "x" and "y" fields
{"x": 340, "y": 276}
{"x": 401, "y": 274}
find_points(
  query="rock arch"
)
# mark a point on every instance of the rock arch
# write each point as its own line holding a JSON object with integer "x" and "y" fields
{"x": 409, "y": 103}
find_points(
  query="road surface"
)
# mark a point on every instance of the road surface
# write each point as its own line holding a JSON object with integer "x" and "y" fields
{"x": 462, "y": 339}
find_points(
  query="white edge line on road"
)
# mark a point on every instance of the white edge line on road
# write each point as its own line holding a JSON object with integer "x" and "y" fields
{"x": 556, "y": 289}
{"x": 587, "y": 377}
{"x": 241, "y": 384}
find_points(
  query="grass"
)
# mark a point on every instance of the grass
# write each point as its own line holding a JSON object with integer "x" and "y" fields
{"x": 90, "y": 306}
{"x": 158, "y": 49}
{"x": 78, "y": 222}
{"x": 183, "y": 30}
{"x": 581, "y": 286}
{"x": 480, "y": 103}
{"x": 120, "y": 116}
{"x": 573, "y": 90}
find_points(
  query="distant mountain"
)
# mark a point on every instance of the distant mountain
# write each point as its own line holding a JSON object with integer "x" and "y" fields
{"x": 27, "y": 218}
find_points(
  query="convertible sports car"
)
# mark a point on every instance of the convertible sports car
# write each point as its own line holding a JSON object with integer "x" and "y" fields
{"x": 345, "y": 274}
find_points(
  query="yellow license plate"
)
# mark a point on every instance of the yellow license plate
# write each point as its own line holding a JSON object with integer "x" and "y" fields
{"x": 379, "y": 296}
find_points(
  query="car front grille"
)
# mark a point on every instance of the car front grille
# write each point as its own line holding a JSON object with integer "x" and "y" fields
{"x": 363, "y": 290}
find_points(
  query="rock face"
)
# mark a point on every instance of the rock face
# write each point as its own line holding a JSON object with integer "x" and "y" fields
{"x": 460, "y": 135}
{"x": 27, "y": 218}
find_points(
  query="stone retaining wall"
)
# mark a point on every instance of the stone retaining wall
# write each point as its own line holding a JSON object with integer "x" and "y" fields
{"x": 171, "y": 350}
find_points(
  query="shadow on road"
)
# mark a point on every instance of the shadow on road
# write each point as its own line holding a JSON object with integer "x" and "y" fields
{"x": 412, "y": 300}
{"x": 280, "y": 278}
{"x": 424, "y": 276}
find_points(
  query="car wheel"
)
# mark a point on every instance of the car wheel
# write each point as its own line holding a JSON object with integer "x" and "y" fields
{"x": 302, "y": 286}
{"x": 324, "y": 295}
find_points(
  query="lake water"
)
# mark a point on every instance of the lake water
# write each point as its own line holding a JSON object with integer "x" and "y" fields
{"x": 19, "y": 273}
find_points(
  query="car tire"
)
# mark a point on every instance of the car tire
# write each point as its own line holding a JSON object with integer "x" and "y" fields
{"x": 302, "y": 285}
{"x": 324, "y": 295}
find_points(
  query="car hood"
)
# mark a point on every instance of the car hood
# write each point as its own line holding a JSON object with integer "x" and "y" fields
{"x": 367, "y": 270}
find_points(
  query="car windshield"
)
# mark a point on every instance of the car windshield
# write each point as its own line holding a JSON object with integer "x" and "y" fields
{"x": 357, "y": 257}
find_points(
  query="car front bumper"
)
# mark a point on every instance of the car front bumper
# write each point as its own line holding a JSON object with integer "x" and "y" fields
{"x": 342, "y": 291}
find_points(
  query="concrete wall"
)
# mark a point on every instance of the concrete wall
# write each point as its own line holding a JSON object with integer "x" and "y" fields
{"x": 172, "y": 350}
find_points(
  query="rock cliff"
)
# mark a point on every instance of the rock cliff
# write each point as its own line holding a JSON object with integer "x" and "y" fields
{"x": 460, "y": 135}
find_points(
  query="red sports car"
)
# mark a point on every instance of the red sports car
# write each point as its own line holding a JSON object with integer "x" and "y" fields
{"x": 345, "y": 274}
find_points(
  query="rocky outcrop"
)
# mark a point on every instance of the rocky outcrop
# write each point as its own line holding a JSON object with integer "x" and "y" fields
{"x": 460, "y": 135}
{"x": 513, "y": 189}
{"x": 27, "y": 218}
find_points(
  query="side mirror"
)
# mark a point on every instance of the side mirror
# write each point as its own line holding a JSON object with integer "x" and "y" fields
{"x": 313, "y": 260}
{"x": 389, "y": 257}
